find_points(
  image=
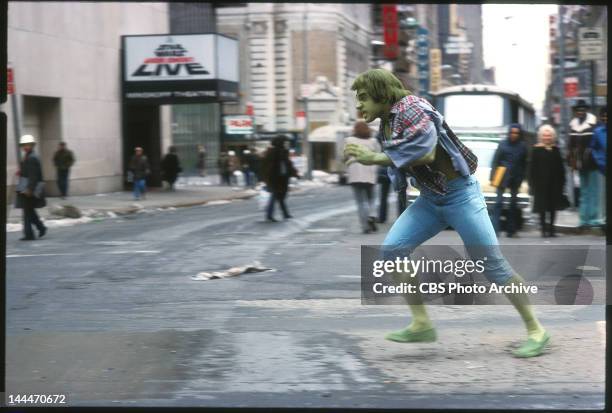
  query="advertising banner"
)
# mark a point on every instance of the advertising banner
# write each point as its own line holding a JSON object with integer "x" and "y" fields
{"x": 238, "y": 125}
{"x": 391, "y": 30}
{"x": 194, "y": 68}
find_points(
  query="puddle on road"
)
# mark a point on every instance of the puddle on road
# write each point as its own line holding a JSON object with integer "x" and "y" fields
{"x": 281, "y": 362}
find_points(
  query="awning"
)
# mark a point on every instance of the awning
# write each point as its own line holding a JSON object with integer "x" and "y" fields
{"x": 328, "y": 133}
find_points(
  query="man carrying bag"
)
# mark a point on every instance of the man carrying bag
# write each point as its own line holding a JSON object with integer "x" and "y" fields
{"x": 30, "y": 189}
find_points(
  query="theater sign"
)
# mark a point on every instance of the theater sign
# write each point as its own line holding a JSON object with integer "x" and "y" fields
{"x": 191, "y": 68}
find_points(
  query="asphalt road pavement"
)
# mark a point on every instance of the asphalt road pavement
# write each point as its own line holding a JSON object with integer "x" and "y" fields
{"x": 107, "y": 314}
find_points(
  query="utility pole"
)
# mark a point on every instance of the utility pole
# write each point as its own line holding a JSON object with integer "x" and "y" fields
{"x": 305, "y": 144}
{"x": 563, "y": 125}
{"x": 15, "y": 110}
{"x": 564, "y": 122}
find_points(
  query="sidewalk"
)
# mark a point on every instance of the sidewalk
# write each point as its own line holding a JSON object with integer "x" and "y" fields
{"x": 192, "y": 191}
{"x": 189, "y": 191}
{"x": 566, "y": 222}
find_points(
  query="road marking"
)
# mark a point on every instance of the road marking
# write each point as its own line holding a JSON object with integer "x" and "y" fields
{"x": 36, "y": 255}
{"x": 131, "y": 252}
{"x": 325, "y": 230}
{"x": 87, "y": 253}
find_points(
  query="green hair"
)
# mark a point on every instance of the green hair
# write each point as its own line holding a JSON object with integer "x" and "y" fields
{"x": 381, "y": 85}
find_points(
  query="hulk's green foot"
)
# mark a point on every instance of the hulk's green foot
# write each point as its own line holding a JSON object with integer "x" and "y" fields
{"x": 408, "y": 336}
{"x": 532, "y": 347}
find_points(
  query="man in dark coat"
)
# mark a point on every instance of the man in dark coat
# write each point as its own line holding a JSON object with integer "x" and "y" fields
{"x": 171, "y": 167}
{"x": 277, "y": 169}
{"x": 139, "y": 168}
{"x": 30, "y": 191}
{"x": 512, "y": 154}
{"x": 63, "y": 160}
{"x": 224, "y": 171}
{"x": 580, "y": 159}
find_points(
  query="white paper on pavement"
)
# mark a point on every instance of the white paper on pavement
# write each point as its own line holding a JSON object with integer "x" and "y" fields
{"x": 230, "y": 272}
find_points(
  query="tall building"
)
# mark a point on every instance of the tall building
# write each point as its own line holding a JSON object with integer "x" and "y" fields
{"x": 68, "y": 86}
{"x": 412, "y": 62}
{"x": 199, "y": 123}
{"x": 460, "y": 38}
{"x": 577, "y": 71}
{"x": 471, "y": 18}
{"x": 289, "y": 50}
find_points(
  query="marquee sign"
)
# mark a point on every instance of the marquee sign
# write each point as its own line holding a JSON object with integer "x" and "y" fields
{"x": 193, "y": 68}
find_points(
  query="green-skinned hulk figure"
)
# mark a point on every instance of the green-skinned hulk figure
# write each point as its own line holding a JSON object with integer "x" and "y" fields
{"x": 417, "y": 142}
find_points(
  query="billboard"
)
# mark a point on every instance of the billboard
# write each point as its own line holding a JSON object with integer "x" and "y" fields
{"x": 192, "y": 68}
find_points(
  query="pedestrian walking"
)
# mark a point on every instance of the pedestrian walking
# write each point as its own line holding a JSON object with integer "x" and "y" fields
{"x": 384, "y": 184}
{"x": 599, "y": 142}
{"x": 508, "y": 169}
{"x": 30, "y": 189}
{"x": 546, "y": 178}
{"x": 362, "y": 178}
{"x": 417, "y": 141}
{"x": 63, "y": 159}
{"x": 139, "y": 170}
{"x": 580, "y": 159}
{"x": 224, "y": 171}
{"x": 277, "y": 168}
{"x": 171, "y": 167}
{"x": 233, "y": 166}
{"x": 599, "y": 145}
{"x": 201, "y": 164}
{"x": 246, "y": 164}
{"x": 255, "y": 165}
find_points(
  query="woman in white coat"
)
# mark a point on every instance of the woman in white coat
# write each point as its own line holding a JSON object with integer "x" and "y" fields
{"x": 362, "y": 178}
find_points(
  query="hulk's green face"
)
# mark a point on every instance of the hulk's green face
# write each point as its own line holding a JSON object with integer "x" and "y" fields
{"x": 368, "y": 107}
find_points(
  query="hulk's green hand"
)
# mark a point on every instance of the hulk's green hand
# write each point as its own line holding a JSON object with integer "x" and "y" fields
{"x": 359, "y": 153}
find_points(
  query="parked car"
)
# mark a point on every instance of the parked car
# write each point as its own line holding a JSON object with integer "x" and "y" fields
{"x": 485, "y": 151}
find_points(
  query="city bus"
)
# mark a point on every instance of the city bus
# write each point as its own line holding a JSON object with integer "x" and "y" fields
{"x": 484, "y": 111}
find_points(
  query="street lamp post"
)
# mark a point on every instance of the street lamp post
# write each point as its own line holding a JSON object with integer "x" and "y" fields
{"x": 305, "y": 143}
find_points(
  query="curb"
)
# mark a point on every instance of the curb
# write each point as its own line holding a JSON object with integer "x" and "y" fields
{"x": 571, "y": 230}
{"x": 132, "y": 210}
{"x": 565, "y": 229}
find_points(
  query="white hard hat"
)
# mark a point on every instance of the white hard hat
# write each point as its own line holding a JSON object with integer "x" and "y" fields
{"x": 231, "y": 153}
{"x": 246, "y": 151}
{"x": 26, "y": 139}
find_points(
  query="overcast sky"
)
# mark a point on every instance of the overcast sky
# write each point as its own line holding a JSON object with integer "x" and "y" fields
{"x": 515, "y": 41}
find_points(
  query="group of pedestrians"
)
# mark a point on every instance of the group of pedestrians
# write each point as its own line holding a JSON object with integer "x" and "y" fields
{"x": 544, "y": 167}
{"x": 249, "y": 164}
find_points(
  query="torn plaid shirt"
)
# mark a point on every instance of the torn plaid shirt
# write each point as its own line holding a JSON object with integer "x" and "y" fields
{"x": 416, "y": 128}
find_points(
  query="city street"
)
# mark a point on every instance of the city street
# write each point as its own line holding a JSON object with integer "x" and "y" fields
{"x": 107, "y": 314}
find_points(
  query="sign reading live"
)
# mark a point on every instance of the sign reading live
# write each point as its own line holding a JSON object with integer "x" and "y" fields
{"x": 391, "y": 30}
{"x": 167, "y": 69}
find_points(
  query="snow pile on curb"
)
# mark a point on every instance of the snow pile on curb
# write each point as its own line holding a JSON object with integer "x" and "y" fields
{"x": 52, "y": 223}
{"x": 184, "y": 181}
{"x": 319, "y": 179}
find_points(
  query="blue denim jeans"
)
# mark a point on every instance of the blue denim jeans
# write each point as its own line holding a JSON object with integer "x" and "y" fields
{"x": 464, "y": 208}
{"x": 589, "y": 197}
{"x": 139, "y": 187}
